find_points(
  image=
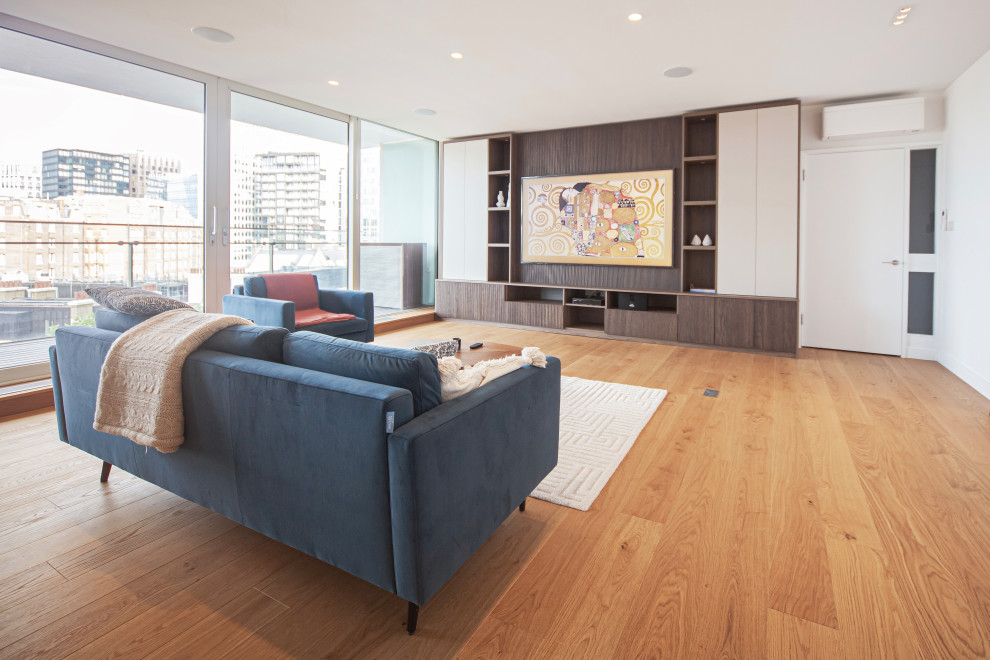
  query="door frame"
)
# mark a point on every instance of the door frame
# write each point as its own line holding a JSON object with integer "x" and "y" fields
{"x": 922, "y": 347}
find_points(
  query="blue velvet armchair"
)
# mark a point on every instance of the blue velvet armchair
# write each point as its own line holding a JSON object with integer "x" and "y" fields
{"x": 251, "y": 301}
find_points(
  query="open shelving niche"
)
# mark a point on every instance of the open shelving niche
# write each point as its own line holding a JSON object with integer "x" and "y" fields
{"x": 501, "y": 166}
{"x": 699, "y": 200}
{"x": 657, "y": 321}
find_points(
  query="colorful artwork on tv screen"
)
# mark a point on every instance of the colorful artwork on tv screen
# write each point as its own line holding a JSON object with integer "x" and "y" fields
{"x": 621, "y": 219}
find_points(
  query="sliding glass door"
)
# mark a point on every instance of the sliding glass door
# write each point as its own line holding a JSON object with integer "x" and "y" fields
{"x": 101, "y": 171}
{"x": 288, "y": 192}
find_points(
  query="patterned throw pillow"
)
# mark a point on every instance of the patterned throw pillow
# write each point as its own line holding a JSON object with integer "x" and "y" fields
{"x": 143, "y": 303}
{"x": 440, "y": 349}
{"x": 134, "y": 301}
{"x": 99, "y": 293}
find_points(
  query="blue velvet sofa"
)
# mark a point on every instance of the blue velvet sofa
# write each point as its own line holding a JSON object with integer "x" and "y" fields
{"x": 337, "y": 448}
{"x": 251, "y": 301}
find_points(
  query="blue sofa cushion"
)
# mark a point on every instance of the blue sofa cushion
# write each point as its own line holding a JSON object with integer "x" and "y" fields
{"x": 260, "y": 342}
{"x": 411, "y": 370}
{"x": 251, "y": 341}
{"x": 108, "y": 319}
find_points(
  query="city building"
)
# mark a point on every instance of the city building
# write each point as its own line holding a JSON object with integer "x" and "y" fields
{"x": 149, "y": 173}
{"x": 184, "y": 192}
{"x": 66, "y": 172}
{"x": 246, "y": 232}
{"x": 85, "y": 239}
{"x": 20, "y": 181}
{"x": 287, "y": 188}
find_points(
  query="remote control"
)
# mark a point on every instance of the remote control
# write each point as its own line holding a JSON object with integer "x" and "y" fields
{"x": 478, "y": 345}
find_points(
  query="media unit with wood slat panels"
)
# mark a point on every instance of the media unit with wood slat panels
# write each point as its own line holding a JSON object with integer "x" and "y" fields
{"x": 485, "y": 281}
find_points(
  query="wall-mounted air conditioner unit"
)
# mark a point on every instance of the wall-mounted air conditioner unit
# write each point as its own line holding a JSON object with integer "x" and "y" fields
{"x": 856, "y": 120}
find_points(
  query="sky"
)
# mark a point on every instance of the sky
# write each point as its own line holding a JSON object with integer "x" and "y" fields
{"x": 37, "y": 114}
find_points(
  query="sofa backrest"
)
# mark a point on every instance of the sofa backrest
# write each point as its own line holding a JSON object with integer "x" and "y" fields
{"x": 252, "y": 341}
{"x": 415, "y": 371}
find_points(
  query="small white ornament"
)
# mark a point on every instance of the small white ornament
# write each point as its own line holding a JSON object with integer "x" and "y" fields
{"x": 501, "y": 200}
{"x": 707, "y": 241}
{"x": 696, "y": 240}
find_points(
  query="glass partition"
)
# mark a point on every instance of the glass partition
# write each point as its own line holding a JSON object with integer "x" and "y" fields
{"x": 398, "y": 217}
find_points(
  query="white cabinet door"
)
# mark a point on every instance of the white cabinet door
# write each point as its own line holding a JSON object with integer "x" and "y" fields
{"x": 736, "y": 235}
{"x": 776, "y": 201}
{"x": 452, "y": 257}
{"x": 476, "y": 210}
{"x": 465, "y": 210}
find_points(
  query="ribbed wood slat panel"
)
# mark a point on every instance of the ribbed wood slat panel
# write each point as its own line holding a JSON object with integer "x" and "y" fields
{"x": 652, "y": 144}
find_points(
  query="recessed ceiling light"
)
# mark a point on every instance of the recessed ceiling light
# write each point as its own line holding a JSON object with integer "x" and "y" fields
{"x": 900, "y": 16}
{"x": 635, "y": 17}
{"x": 457, "y": 56}
{"x": 332, "y": 83}
{"x": 678, "y": 72}
{"x": 213, "y": 34}
{"x": 426, "y": 112}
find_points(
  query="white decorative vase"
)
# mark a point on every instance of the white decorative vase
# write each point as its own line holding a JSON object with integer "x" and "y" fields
{"x": 696, "y": 240}
{"x": 501, "y": 200}
{"x": 708, "y": 240}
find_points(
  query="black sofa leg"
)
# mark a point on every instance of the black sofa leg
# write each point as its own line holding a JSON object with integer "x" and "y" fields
{"x": 106, "y": 472}
{"x": 522, "y": 507}
{"x": 412, "y": 618}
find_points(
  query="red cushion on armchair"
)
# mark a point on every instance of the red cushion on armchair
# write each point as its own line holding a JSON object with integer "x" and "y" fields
{"x": 300, "y": 288}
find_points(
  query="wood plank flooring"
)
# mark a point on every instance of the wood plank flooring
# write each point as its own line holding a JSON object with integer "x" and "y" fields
{"x": 834, "y": 506}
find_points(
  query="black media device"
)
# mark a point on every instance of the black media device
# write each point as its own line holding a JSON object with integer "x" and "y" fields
{"x": 477, "y": 345}
{"x": 635, "y": 301}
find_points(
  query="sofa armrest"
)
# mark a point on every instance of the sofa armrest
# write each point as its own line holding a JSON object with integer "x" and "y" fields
{"x": 458, "y": 471}
{"x": 359, "y": 303}
{"x": 263, "y": 311}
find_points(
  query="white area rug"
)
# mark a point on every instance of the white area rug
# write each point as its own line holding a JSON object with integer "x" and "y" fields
{"x": 599, "y": 422}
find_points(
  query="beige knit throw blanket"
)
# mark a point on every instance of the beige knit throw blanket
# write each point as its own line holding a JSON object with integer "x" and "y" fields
{"x": 456, "y": 381}
{"x": 140, "y": 395}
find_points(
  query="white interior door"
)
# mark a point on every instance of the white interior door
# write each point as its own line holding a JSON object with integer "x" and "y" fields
{"x": 853, "y": 240}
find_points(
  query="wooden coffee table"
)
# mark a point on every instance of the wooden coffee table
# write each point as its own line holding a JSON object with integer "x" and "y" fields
{"x": 490, "y": 351}
{"x": 469, "y": 356}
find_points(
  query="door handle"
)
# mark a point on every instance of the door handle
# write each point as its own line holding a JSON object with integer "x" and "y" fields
{"x": 893, "y": 263}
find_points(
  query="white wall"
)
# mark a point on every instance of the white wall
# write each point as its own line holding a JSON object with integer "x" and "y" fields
{"x": 963, "y": 252}
{"x": 811, "y": 126}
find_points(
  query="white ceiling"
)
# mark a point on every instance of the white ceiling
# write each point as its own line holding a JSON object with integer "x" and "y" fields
{"x": 541, "y": 64}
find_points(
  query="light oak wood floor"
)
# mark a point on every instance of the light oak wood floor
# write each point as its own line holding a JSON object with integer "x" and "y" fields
{"x": 834, "y": 506}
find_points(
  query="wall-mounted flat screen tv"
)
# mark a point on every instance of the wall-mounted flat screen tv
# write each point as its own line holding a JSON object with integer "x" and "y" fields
{"x": 619, "y": 219}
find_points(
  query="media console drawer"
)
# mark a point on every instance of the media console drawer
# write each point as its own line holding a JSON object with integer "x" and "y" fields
{"x": 645, "y": 324}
